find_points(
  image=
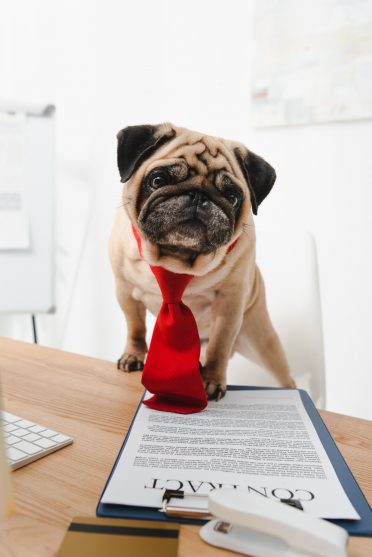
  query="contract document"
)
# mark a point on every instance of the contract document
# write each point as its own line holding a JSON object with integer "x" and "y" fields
{"x": 262, "y": 441}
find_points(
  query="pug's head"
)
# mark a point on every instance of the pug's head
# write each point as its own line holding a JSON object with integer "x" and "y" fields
{"x": 188, "y": 195}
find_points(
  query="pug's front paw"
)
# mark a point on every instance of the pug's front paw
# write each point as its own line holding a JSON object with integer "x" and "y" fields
{"x": 214, "y": 391}
{"x": 130, "y": 362}
{"x": 214, "y": 383}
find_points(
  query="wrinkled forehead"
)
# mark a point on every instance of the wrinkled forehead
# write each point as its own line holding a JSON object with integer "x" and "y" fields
{"x": 204, "y": 154}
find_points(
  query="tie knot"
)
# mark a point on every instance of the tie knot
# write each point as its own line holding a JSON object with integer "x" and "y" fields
{"x": 172, "y": 285}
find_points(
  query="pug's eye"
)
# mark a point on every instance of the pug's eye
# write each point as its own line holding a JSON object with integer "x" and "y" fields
{"x": 158, "y": 179}
{"x": 233, "y": 197}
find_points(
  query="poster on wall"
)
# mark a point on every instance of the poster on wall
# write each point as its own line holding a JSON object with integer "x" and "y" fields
{"x": 312, "y": 62}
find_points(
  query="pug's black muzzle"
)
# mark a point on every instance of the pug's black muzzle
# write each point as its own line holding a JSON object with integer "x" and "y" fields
{"x": 195, "y": 219}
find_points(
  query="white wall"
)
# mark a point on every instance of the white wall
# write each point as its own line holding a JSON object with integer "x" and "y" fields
{"x": 107, "y": 64}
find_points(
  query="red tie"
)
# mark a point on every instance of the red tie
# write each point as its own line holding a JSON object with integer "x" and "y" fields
{"x": 172, "y": 370}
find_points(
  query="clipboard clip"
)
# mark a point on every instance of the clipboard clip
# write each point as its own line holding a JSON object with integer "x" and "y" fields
{"x": 175, "y": 503}
{"x": 255, "y": 525}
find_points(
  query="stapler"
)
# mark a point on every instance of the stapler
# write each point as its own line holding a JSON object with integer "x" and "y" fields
{"x": 255, "y": 525}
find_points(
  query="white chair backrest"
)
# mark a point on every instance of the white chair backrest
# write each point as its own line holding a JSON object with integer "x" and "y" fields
{"x": 288, "y": 262}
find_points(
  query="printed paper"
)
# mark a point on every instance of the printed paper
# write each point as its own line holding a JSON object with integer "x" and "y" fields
{"x": 260, "y": 441}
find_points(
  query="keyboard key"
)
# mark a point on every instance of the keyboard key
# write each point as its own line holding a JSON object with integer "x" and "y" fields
{"x": 60, "y": 438}
{"x": 9, "y": 427}
{"x": 31, "y": 437}
{"x": 20, "y": 432}
{"x": 36, "y": 428}
{"x": 11, "y": 440}
{"x": 48, "y": 433}
{"x": 14, "y": 454}
{"x": 24, "y": 423}
{"x": 7, "y": 417}
{"x": 28, "y": 448}
{"x": 45, "y": 443}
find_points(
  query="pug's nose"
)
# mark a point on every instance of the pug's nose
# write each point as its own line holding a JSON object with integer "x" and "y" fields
{"x": 198, "y": 198}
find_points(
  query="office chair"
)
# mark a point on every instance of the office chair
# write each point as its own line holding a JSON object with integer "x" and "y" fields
{"x": 288, "y": 262}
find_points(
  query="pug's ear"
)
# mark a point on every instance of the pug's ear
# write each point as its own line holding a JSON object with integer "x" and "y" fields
{"x": 138, "y": 143}
{"x": 259, "y": 175}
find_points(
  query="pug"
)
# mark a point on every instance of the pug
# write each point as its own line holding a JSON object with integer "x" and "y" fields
{"x": 191, "y": 197}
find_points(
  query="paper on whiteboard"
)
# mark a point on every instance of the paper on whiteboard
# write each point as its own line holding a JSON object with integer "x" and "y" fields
{"x": 260, "y": 441}
{"x": 12, "y": 138}
{"x": 14, "y": 220}
{"x": 14, "y": 230}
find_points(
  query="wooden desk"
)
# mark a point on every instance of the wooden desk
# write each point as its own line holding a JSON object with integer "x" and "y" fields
{"x": 94, "y": 403}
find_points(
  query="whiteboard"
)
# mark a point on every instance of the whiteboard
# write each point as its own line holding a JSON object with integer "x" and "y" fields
{"x": 27, "y": 269}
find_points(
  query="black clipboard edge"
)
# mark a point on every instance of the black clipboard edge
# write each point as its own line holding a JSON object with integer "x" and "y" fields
{"x": 362, "y": 527}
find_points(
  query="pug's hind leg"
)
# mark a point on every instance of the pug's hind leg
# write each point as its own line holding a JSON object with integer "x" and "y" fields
{"x": 258, "y": 340}
{"x": 135, "y": 349}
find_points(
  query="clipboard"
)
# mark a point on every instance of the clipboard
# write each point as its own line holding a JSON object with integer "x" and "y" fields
{"x": 362, "y": 527}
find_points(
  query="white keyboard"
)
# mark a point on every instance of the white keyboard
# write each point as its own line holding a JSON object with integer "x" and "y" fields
{"x": 26, "y": 441}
